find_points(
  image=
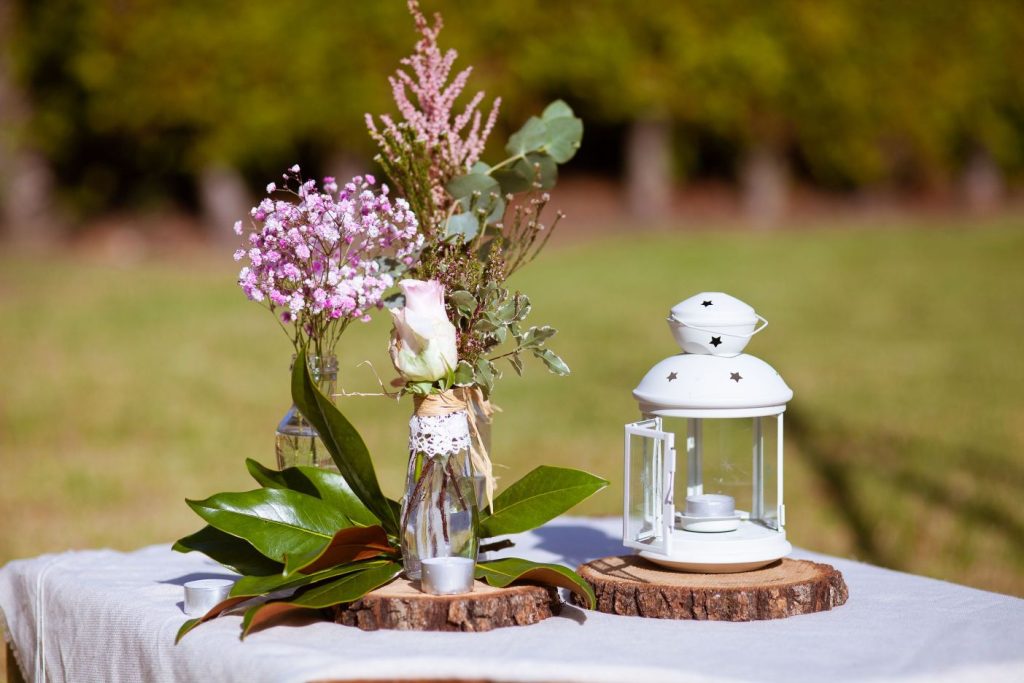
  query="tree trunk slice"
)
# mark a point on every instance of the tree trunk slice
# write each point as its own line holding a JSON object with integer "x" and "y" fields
{"x": 401, "y": 606}
{"x": 632, "y": 586}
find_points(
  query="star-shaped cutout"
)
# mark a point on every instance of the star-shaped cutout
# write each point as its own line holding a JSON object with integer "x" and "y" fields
{"x": 715, "y": 341}
{"x": 735, "y": 377}
{"x": 672, "y": 376}
{"x": 706, "y": 304}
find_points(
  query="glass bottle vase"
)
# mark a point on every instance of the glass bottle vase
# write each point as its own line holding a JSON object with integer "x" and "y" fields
{"x": 297, "y": 442}
{"x": 439, "y": 508}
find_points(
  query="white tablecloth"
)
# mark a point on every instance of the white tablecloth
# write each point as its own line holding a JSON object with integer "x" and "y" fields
{"x": 110, "y": 616}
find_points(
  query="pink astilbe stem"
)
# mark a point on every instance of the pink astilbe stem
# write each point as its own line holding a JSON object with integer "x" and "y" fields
{"x": 426, "y": 99}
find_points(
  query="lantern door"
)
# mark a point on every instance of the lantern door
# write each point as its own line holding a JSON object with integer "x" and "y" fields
{"x": 648, "y": 505}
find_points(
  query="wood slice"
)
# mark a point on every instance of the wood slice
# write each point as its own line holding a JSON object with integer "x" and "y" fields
{"x": 401, "y": 606}
{"x": 632, "y": 586}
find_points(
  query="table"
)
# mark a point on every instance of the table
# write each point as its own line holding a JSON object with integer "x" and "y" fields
{"x": 102, "y": 615}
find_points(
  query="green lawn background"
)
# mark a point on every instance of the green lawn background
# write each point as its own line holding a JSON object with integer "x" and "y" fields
{"x": 128, "y": 387}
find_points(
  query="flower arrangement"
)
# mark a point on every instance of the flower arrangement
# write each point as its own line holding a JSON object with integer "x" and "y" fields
{"x": 309, "y": 538}
{"x": 481, "y": 223}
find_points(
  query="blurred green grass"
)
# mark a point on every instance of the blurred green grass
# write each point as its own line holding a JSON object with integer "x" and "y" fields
{"x": 128, "y": 388}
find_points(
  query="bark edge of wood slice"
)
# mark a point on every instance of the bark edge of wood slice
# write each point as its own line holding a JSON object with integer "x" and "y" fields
{"x": 401, "y": 606}
{"x": 631, "y": 586}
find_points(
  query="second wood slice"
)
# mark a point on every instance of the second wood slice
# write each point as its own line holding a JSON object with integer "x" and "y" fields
{"x": 632, "y": 586}
{"x": 401, "y": 606}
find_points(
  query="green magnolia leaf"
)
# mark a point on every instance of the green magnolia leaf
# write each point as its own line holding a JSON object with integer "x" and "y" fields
{"x": 464, "y": 302}
{"x": 231, "y": 551}
{"x": 277, "y": 522}
{"x": 502, "y": 572}
{"x": 348, "y": 545}
{"x": 465, "y": 224}
{"x": 214, "y": 612}
{"x": 554, "y": 363}
{"x": 344, "y": 444}
{"x": 463, "y": 374}
{"x": 345, "y": 589}
{"x": 557, "y": 109}
{"x": 329, "y": 487}
{"x": 531, "y": 137}
{"x": 540, "y": 496}
{"x": 251, "y": 586}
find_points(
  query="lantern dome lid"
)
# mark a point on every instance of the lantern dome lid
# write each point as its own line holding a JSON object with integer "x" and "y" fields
{"x": 698, "y": 385}
{"x": 711, "y": 308}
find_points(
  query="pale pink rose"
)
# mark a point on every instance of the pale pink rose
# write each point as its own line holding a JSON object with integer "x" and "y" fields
{"x": 423, "y": 341}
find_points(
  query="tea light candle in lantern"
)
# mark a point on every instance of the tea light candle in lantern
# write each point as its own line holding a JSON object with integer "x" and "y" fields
{"x": 203, "y": 595}
{"x": 710, "y": 505}
{"x": 447, "y": 575}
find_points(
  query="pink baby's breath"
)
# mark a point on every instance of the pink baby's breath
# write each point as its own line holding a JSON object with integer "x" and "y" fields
{"x": 316, "y": 261}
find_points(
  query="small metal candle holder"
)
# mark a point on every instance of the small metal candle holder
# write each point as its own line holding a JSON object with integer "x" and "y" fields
{"x": 447, "y": 575}
{"x": 202, "y": 595}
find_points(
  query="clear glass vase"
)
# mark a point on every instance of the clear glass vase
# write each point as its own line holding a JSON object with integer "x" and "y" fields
{"x": 297, "y": 442}
{"x": 439, "y": 508}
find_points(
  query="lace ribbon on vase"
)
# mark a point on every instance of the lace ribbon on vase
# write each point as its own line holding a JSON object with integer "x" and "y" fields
{"x": 435, "y": 435}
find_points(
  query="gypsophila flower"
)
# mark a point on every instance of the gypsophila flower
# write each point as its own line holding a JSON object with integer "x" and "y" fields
{"x": 326, "y": 257}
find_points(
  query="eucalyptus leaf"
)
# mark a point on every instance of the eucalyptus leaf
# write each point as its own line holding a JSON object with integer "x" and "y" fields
{"x": 557, "y": 109}
{"x": 563, "y": 139}
{"x": 517, "y": 177}
{"x": 231, "y": 551}
{"x": 344, "y": 444}
{"x": 545, "y": 170}
{"x": 465, "y": 185}
{"x": 465, "y": 224}
{"x": 501, "y": 573}
{"x": 277, "y": 522}
{"x": 529, "y": 138}
{"x": 328, "y": 486}
{"x": 537, "y": 498}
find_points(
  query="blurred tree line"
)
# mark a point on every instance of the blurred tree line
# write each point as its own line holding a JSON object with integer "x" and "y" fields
{"x": 108, "y": 104}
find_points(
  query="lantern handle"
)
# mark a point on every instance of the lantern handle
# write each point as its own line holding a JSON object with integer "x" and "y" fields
{"x": 718, "y": 331}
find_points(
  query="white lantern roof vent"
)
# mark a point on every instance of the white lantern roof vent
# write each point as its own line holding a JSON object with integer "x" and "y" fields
{"x": 713, "y": 378}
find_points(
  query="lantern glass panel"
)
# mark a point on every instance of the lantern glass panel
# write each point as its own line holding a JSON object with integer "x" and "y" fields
{"x": 644, "y": 516}
{"x": 770, "y": 471}
{"x": 726, "y": 462}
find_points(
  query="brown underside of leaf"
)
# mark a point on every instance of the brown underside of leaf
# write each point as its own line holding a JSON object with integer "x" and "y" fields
{"x": 351, "y": 545}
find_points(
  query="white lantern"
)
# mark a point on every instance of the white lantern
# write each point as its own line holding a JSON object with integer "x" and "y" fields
{"x": 723, "y": 409}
